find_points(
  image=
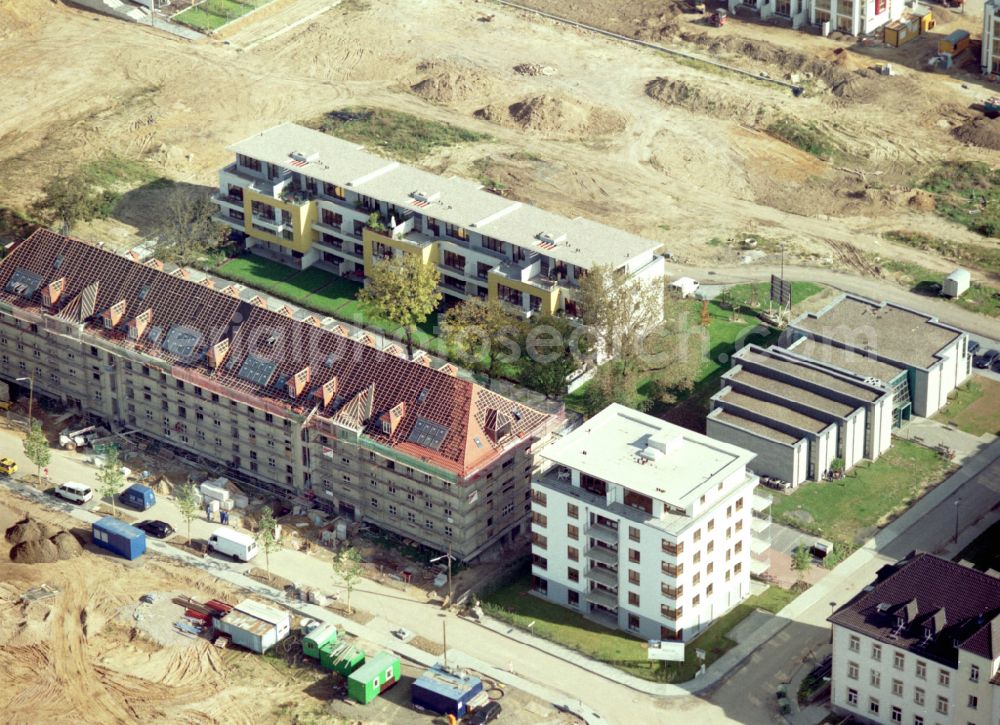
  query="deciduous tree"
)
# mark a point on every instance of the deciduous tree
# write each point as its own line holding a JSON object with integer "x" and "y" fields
{"x": 347, "y": 566}
{"x": 404, "y": 291}
{"x": 552, "y": 348}
{"x": 187, "y": 230}
{"x": 267, "y": 535}
{"x": 484, "y": 333}
{"x": 187, "y": 504}
{"x": 620, "y": 311}
{"x": 36, "y": 447}
{"x": 69, "y": 199}
{"x": 111, "y": 477}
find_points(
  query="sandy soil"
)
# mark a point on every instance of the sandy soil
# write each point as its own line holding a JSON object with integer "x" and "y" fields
{"x": 674, "y": 151}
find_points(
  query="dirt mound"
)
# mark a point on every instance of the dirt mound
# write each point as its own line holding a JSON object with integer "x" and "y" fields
{"x": 35, "y": 552}
{"x": 674, "y": 92}
{"x": 982, "y": 132}
{"x": 67, "y": 545}
{"x": 450, "y": 85}
{"x": 28, "y": 529}
{"x": 552, "y": 114}
{"x": 921, "y": 201}
{"x": 942, "y": 16}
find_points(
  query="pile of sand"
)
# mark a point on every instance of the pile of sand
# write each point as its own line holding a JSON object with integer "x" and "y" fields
{"x": 29, "y": 530}
{"x": 692, "y": 97}
{"x": 552, "y": 114}
{"x": 450, "y": 85}
{"x": 982, "y": 132}
{"x": 921, "y": 200}
{"x": 42, "y": 551}
{"x": 67, "y": 545}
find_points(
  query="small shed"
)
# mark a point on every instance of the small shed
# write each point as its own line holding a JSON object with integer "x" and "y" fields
{"x": 954, "y": 43}
{"x": 341, "y": 658}
{"x": 120, "y": 538}
{"x": 255, "y": 626}
{"x": 685, "y": 286}
{"x": 956, "y": 283}
{"x": 313, "y": 642}
{"x": 376, "y": 676}
{"x": 445, "y": 692}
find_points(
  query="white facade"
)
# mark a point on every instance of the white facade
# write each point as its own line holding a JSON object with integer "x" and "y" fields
{"x": 855, "y": 17}
{"x": 990, "y": 58}
{"x": 642, "y": 525}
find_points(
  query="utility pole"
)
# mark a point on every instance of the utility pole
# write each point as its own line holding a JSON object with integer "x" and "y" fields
{"x": 444, "y": 637}
{"x": 451, "y": 590}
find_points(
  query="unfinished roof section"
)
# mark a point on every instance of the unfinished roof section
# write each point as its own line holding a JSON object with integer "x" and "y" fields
{"x": 647, "y": 455}
{"x": 893, "y": 333}
{"x": 451, "y": 199}
{"x": 257, "y": 352}
{"x": 928, "y": 605}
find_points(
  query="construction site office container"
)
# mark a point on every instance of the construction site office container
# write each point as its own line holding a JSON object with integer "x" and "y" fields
{"x": 120, "y": 538}
{"x": 342, "y": 658}
{"x": 255, "y": 626}
{"x": 376, "y": 676}
{"x": 444, "y": 692}
{"x": 138, "y": 497}
{"x": 954, "y": 43}
{"x": 313, "y": 642}
{"x": 956, "y": 283}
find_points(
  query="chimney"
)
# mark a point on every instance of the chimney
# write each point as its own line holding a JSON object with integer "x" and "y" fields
{"x": 328, "y": 391}
{"x": 217, "y": 353}
{"x": 286, "y": 311}
{"x": 113, "y": 315}
{"x": 138, "y": 324}
{"x": 51, "y": 292}
{"x": 298, "y": 382}
{"x": 231, "y": 289}
{"x": 447, "y": 369}
{"x": 207, "y": 282}
{"x": 390, "y": 421}
{"x": 155, "y": 264}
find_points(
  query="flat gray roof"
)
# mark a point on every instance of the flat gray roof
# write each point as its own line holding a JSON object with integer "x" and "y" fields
{"x": 463, "y": 203}
{"x": 773, "y": 360}
{"x": 609, "y": 445}
{"x": 791, "y": 392}
{"x": 890, "y": 331}
{"x": 848, "y": 360}
{"x": 752, "y": 426}
{"x": 772, "y": 411}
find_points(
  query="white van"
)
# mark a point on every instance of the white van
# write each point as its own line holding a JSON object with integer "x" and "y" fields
{"x": 75, "y": 492}
{"x": 241, "y": 547}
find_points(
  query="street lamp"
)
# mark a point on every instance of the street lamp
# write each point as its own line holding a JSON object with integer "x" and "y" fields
{"x": 31, "y": 395}
{"x": 957, "y": 502}
{"x": 451, "y": 592}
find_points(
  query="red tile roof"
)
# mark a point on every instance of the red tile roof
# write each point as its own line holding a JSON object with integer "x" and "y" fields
{"x": 188, "y": 316}
{"x": 925, "y": 595}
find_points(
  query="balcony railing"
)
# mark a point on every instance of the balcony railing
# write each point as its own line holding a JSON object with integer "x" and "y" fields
{"x": 603, "y": 533}
{"x": 606, "y": 577}
{"x": 602, "y": 555}
{"x": 603, "y": 599}
{"x": 671, "y": 592}
{"x": 671, "y": 613}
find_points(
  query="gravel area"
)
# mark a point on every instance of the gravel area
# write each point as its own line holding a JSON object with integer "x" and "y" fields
{"x": 156, "y": 620}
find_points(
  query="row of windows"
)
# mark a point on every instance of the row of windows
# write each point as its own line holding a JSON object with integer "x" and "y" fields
{"x": 899, "y": 662}
{"x": 896, "y": 712}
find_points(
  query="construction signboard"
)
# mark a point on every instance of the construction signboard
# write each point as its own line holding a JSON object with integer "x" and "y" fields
{"x": 781, "y": 291}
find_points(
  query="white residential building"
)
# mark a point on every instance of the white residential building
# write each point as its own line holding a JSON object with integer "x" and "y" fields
{"x": 990, "y": 59}
{"x": 643, "y": 525}
{"x": 920, "y": 646}
{"x": 855, "y": 17}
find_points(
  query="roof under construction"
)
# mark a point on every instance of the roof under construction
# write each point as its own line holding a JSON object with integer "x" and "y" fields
{"x": 220, "y": 342}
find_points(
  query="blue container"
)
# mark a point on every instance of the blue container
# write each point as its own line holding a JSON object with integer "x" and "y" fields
{"x": 445, "y": 693}
{"x": 138, "y": 496}
{"x": 120, "y": 538}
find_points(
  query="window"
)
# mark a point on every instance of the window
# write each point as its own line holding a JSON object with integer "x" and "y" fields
{"x": 873, "y": 706}
{"x": 855, "y": 643}
{"x": 509, "y": 294}
{"x": 921, "y": 670}
{"x": 573, "y": 511}
{"x": 697, "y": 534}
{"x": 374, "y": 502}
{"x": 455, "y": 231}
{"x": 974, "y": 674}
{"x": 633, "y": 599}
{"x": 942, "y": 705}
{"x": 897, "y": 660}
{"x": 573, "y": 598}
{"x": 633, "y": 576}
{"x": 918, "y": 720}
{"x": 633, "y": 533}
{"x": 697, "y": 557}
{"x": 573, "y": 574}
{"x": 411, "y": 517}
{"x": 897, "y": 714}
{"x": 572, "y": 531}
{"x": 877, "y": 652}
{"x": 897, "y": 688}
{"x": 918, "y": 696}
{"x": 633, "y": 556}
{"x": 875, "y": 678}
{"x": 852, "y": 696}
{"x": 572, "y": 553}
{"x": 973, "y": 702}
{"x": 944, "y": 678}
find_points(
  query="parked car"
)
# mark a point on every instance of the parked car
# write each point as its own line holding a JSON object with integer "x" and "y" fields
{"x": 487, "y": 713}
{"x": 75, "y": 492}
{"x": 138, "y": 497}
{"x": 7, "y": 467}
{"x": 986, "y": 359}
{"x": 238, "y": 545}
{"x": 973, "y": 347}
{"x": 159, "y": 529}
{"x": 995, "y": 365}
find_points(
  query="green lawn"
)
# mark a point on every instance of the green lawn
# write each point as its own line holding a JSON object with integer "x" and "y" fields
{"x": 213, "y": 14}
{"x": 515, "y": 605}
{"x": 984, "y": 552}
{"x": 974, "y": 408}
{"x": 852, "y": 509}
{"x": 967, "y": 192}
{"x": 200, "y": 20}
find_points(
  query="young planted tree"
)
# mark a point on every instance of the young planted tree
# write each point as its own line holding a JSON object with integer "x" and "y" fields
{"x": 188, "y": 506}
{"x": 187, "y": 230}
{"x": 36, "y": 448}
{"x": 484, "y": 333}
{"x": 403, "y": 290}
{"x": 801, "y": 558}
{"x": 267, "y": 536}
{"x": 347, "y": 566}
{"x": 111, "y": 477}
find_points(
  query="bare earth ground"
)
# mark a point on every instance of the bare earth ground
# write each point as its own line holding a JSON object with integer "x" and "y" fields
{"x": 669, "y": 150}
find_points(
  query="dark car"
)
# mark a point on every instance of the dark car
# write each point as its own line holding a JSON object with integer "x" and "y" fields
{"x": 972, "y": 347}
{"x": 487, "y": 713}
{"x": 159, "y": 529}
{"x": 986, "y": 359}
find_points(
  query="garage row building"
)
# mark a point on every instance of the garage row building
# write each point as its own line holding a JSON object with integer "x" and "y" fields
{"x": 644, "y": 526}
{"x": 294, "y": 407}
{"x": 920, "y": 645}
{"x": 836, "y": 386}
